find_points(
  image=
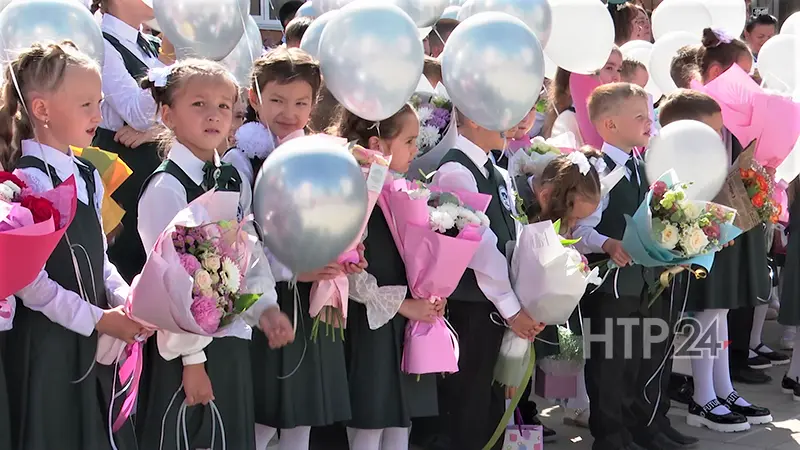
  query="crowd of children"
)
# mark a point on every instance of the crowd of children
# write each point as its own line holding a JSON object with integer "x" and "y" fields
{"x": 187, "y": 127}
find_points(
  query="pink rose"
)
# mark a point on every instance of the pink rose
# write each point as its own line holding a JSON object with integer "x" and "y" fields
{"x": 190, "y": 263}
{"x": 206, "y": 314}
{"x": 659, "y": 189}
{"x": 712, "y": 231}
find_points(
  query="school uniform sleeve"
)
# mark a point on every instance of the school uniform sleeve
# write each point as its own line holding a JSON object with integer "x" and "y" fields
{"x": 258, "y": 280}
{"x": 242, "y": 163}
{"x": 489, "y": 264}
{"x": 116, "y": 287}
{"x": 382, "y": 302}
{"x": 60, "y": 305}
{"x": 161, "y": 201}
{"x": 123, "y": 94}
{"x": 591, "y": 241}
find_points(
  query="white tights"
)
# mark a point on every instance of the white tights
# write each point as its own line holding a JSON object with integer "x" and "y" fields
{"x": 383, "y": 439}
{"x": 291, "y": 438}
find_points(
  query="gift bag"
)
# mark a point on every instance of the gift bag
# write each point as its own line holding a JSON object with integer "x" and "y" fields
{"x": 523, "y": 437}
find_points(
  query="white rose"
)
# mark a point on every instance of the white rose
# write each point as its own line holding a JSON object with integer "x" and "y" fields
{"x": 669, "y": 236}
{"x": 693, "y": 240}
{"x": 203, "y": 281}
{"x": 6, "y": 193}
{"x": 441, "y": 221}
{"x": 211, "y": 263}
{"x": 691, "y": 210}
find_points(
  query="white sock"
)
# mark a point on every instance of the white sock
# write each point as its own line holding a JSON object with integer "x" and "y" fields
{"x": 794, "y": 366}
{"x": 703, "y": 367}
{"x": 759, "y": 316}
{"x": 395, "y": 439}
{"x": 264, "y": 435}
{"x": 581, "y": 400}
{"x": 295, "y": 438}
{"x": 722, "y": 369}
{"x": 364, "y": 439}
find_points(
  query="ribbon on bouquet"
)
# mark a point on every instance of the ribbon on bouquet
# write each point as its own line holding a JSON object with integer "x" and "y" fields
{"x": 129, "y": 375}
{"x": 666, "y": 277}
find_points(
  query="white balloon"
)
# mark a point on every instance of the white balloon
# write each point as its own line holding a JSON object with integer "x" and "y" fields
{"x": 424, "y": 13}
{"x": 791, "y": 25}
{"x": 695, "y": 152}
{"x": 240, "y": 60}
{"x": 465, "y": 10}
{"x": 307, "y": 10}
{"x": 664, "y": 50}
{"x": 630, "y": 45}
{"x": 778, "y": 63}
{"x": 310, "y": 42}
{"x": 451, "y": 12}
{"x": 550, "y": 68}
{"x": 680, "y": 15}
{"x": 642, "y": 54}
{"x": 728, "y": 15}
{"x": 582, "y": 35}
{"x": 535, "y": 13}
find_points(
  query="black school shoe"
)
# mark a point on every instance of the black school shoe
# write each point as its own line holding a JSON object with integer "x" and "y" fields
{"x": 759, "y": 362}
{"x": 750, "y": 376}
{"x": 791, "y": 386}
{"x": 701, "y": 416}
{"x": 775, "y": 358}
{"x": 681, "y": 389}
{"x": 678, "y": 437}
{"x": 755, "y": 415}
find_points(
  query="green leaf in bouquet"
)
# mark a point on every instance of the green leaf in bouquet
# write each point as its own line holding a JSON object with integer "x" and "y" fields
{"x": 565, "y": 242}
{"x": 501, "y": 426}
{"x": 427, "y": 177}
{"x": 245, "y": 301}
{"x": 557, "y": 226}
{"x": 521, "y": 217}
{"x": 443, "y": 198}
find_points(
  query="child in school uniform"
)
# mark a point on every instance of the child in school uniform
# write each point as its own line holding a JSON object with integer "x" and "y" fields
{"x": 129, "y": 117}
{"x": 196, "y": 100}
{"x": 789, "y": 313}
{"x": 53, "y": 342}
{"x": 470, "y": 402}
{"x": 619, "y": 112}
{"x": 738, "y": 279}
{"x": 304, "y": 384}
{"x": 383, "y": 399}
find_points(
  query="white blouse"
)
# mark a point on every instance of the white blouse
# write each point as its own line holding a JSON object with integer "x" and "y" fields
{"x": 60, "y": 305}
{"x": 161, "y": 201}
{"x": 124, "y": 101}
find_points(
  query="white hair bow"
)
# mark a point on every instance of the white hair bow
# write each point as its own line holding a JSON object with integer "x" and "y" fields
{"x": 159, "y": 76}
{"x": 579, "y": 159}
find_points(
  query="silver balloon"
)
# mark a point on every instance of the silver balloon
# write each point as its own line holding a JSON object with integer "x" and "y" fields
{"x": 207, "y": 29}
{"x": 457, "y": 2}
{"x": 311, "y": 38}
{"x": 535, "y": 13}
{"x": 451, "y": 12}
{"x": 465, "y": 10}
{"x": 23, "y": 23}
{"x": 424, "y": 13}
{"x": 371, "y": 57}
{"x": 240, "y": 60}
{"x": 493, "y": 68}
{"x": 310, "y": 199}
{"x": 307, "y": 10}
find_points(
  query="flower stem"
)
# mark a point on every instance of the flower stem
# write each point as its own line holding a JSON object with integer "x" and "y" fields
{"x": 501, "y": 427}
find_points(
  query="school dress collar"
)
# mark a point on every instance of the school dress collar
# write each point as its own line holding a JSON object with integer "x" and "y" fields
{"x": 189, "y": 163}
{"x": 64, "y": 163}
{"x": 119, "y": 29}
{"x": 473, "y": 152}
{"x": 617, "y": 155}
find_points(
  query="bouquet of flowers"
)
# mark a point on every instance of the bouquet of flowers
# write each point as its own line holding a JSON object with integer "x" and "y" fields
{"x": 328, "y": 302}
{"x": 193, "y": 281}
{"x": 437, "y": 130}
{"x": 670, "y": 230}
{"x": 751, "y": 190}
{"x": 31, "y": 226}
{"x": 437, "y": 233}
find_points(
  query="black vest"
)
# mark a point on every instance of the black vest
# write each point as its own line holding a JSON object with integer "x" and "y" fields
{"x": 624, "y": 198}
{"x": 192, "y": 189}
{"x": 501, "y": 222}
{"x": 86, "y": 231}
{"x": 385, "y": 262}
{"x": 133, "y": 64}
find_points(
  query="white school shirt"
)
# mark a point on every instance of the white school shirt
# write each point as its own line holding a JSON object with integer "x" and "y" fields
{"x": 62, "y": 306}
{"x": 161, "y": 201}
{"x": 124, "y": 101}
{"x": 591, "y": 241}
{"x": 489, "y": 264}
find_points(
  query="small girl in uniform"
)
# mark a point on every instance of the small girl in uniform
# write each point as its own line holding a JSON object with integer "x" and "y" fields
{"x": 53, "y": 341}
{"x": 196, "y": 100}
{"x": 383, "y": 399}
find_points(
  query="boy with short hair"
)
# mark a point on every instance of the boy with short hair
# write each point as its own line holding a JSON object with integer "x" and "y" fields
{"x": 621, "y": 114}
{"x": 295, "y": 31}
{"x": 684, "y": 67}
{"x": 432, "y": 69}
{"x": 687, "y": 104}
{"x": 634, "y": 71}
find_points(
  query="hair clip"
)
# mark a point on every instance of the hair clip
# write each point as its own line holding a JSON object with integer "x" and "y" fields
{"x": 579, "y": 159}
{"x": 620, "y": 7}
{"x": 722, "y": 36}
{"x": 159, "y": 76}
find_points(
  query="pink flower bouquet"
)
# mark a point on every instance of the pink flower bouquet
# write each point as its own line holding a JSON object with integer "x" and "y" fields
{"x": 31, "y": 226}
{"x": 437, "y": 233}
{"x": 328, "y": 302}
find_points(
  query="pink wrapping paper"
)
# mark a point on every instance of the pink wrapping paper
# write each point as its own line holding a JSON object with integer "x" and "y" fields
{"x": 581, "y": 87}
{"x": 28, "y": 248}
{"x": 334, "y": 293}
{"x": 434, "y": 264}
{"x": 750, "y": 113}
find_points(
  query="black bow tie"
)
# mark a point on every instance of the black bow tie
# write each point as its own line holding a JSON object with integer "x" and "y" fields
{"x": 223, "y": 178}
{"x": 147, "y": 47}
